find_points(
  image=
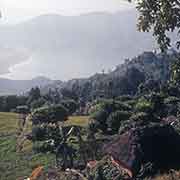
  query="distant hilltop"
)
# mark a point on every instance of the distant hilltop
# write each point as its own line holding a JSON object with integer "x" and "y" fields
{"x": 11, "y": 87}
{"x": 148, "y": 65}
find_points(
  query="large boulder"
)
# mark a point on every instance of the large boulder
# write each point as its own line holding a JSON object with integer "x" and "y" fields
{"x": 158, "y": 144}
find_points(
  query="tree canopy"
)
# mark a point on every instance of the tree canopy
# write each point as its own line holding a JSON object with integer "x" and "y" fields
{"x": 160, "y": 16}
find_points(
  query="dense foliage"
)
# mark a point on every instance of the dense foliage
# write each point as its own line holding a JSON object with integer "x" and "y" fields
{"x": 49, "y": 114}
{"x": 48, "y": 134}
{"x": 162, "y": 16}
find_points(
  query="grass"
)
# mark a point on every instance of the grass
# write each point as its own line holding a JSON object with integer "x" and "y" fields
{"x": 78, "y": 121}
{"x": 14, "y": 165}
{"x": 8, "y": 123}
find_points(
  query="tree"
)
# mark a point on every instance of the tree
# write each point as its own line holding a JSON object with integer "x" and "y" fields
{"x": 2, "y": 103}
{"x": 50, "y": 114}
{"x": 153, "y": 105}
{"x": 175, "y": 72}
{"x": 144, "y": 105}
{"x": 171, "y": 104}
{"x": 148, "y": 86}
{"x": 160, "y": 16}
{"x": 37, "y": 103}
{"x": 115, "y": 119}
{"x": 10, "y": 102}
{"x": 48, "y": 130}
{"x": 104, "y": 111}
{"x": 157, "y": 100}
{"x": 71, "y": 105}
{"x": 69, "y": 94}
{"x": 34, "y": 95}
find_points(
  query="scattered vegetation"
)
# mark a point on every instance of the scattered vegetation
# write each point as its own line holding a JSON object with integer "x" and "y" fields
{"x": 17, "y": 165}
{"x": 134, "y": 125}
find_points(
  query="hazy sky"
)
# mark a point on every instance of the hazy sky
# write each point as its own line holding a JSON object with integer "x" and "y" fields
{"x": 26, "y": 66}
{"x": 16, "y": 10}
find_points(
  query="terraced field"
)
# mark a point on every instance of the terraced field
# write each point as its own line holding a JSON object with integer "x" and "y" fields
{"x": 15, "y": 165}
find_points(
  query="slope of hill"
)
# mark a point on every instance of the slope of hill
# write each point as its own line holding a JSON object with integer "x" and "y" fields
{"x": 125, "y": 79}
{"x": 9, "y": 87}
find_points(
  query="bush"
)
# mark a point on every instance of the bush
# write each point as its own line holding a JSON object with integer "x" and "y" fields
{"x": 171, "y": 100}
{"x": 115, "y": 118}
{"x": 140, "y": 116}
{"x": 49, "y": 114}
{"x": 106, "y": 170}
{"x": 113, "y": 105}
{"x": 157, "y": 100}
{"x": 94, "y": 108}
{"x": 105, "y": 109}
{"x": 125, "y": 126}
{"x": 99, "y": 119}
{"x": 70, "y": 105}
{"x": 123, "y": 106}
{"x": 46, "y": 132}
{"x": 22, "y": 109}
{"x": 144, "y": 105}
{"x": 37, "y": 103}
{"x": 124, "y": 98}
{"x": 38, "y": 133}
{"x": 172, "y": 105}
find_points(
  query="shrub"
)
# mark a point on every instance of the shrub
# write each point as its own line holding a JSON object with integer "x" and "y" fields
{"x": 105, "y": 109}
{"x": 144, "y": 105}
{"x": 171, "y": 100}
{"x": 50, "y": 136}
{"x": 49, "y": 114}
{"x": 70, "y": 105}
{"x": 113, "y": 105}
{"x": 38, "y": 133}
{"x": 124, "y": 98}
{"x": 157, "y": 101}
{"x": 94, "y": 108}
{"x": 140, "y": 116}
{"x": 106, "y": 170}
{"x": 129, "y": 124}
{"x": 22, "y": 109}
{"x": 99, "y": 119}
{"x": 125, "y": 126}
{"x": 115, "y": 118}
{"x": 123, "y": 106}
{"x": 37, "y": 103}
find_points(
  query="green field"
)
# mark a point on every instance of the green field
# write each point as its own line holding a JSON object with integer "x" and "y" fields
{"x": 13, "y": 165}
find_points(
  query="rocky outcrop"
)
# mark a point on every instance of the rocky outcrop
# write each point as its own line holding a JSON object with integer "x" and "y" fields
{"x": 158, "y": 144}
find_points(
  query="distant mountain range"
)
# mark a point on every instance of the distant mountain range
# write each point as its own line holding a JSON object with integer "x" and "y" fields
{"x": 66, "y": 47}
{"x": 148, "y": 65}
{"x": 70, "y": 47}
{"x": 11, "y": 87}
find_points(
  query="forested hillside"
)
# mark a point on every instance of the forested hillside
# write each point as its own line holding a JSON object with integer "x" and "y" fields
{"x": 146, "y": 68}
{"x": 19, "y": 87}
